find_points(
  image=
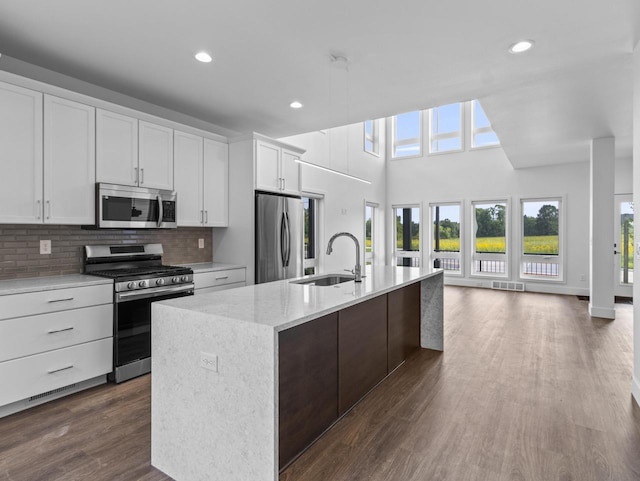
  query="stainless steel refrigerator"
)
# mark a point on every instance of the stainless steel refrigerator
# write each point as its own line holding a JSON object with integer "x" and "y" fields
{"x": 279, "y": 229}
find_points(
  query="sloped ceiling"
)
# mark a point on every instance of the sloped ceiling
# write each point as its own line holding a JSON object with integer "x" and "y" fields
{"x": 545, "y": 105}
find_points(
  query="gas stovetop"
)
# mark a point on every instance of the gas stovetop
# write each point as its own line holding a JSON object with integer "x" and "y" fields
{"x": 146, "y": 271}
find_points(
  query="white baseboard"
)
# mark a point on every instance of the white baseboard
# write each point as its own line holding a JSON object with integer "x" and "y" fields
{"x": 529, "y": 286}
{"x": 635, "y": 390}
{"x": 604, "y": 312}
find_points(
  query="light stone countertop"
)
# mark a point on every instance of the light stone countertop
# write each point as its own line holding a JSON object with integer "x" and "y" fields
{"x": 211, "y": 267}
{"x": 282, "y": 304}
{"x": 38, "y": 284}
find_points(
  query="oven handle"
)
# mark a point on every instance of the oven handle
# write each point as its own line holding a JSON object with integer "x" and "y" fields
{"x": 156, "y": 292}
{"x": 160, "y": 213}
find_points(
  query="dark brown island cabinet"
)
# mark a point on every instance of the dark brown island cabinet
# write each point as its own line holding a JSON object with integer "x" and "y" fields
{"x": 329, "y": 364}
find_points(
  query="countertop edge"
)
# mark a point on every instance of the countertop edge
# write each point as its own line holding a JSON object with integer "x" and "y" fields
{"x": 39, "y": 284}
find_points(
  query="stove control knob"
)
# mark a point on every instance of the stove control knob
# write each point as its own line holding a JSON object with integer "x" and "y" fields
{"x": 184, "y": 278}
{"x": 131, "y": 285}
{"x": 159, "y": 282}
{"x": 143, "y": 283}
{"x": 175, "y": 280}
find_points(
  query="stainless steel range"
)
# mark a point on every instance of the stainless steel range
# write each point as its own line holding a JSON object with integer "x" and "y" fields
{"x": 139, "y": 279}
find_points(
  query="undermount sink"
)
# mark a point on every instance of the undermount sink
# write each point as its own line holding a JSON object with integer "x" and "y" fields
{"x": 325, "y": 280}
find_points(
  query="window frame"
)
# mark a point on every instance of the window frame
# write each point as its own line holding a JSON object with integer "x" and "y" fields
{"x": 374, "y": 138}
{"x": 460, "y": 255}
{"x": 393, "y": 144}
{"x": 395, "y": 253}
{"x": 447, "y": 135}
{"x": 480, "y": 130}
{"x": 560, "y": 259}
{"x": 370, "y": 257}
{"x": 312, "y": 262}
{"x": 475, "y": 256}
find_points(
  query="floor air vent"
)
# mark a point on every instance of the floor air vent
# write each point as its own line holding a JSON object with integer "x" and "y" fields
{"x": 51, "y": 393}
{"x": 508, "y": 286}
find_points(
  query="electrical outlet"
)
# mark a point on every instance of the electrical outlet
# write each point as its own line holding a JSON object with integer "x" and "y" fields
{"x": 200, "y": 243}
{"x": 583, "y": 278}
{"x": 209, "y": 361}
{"x": 45, "y": 247}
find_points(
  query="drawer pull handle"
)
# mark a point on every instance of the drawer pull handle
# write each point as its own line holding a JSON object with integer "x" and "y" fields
{"x": 222, "y": 278}
{"x": 60, "y": 330}
{"x": 61, "y": 369}
{"x": 61, "y": 300}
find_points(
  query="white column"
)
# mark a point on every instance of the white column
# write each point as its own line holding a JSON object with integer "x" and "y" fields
{"x": 601, "y": 228}
{"x": 635, "y": 389}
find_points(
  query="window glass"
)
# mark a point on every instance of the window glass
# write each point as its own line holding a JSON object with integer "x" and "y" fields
{"x": 310, "y": 234}
{"x": 483, "y": 134}
{"x": 446, "y": 128}
{"x": 407, "y": 244}
{"x": 541, "y": 239}
{"x": 445, "y": 242}
{"x": 369, "y": 227}
{"x": 490, "y": 238}
{"x": 371, "y": 137}
{"x": 407, "y": 134}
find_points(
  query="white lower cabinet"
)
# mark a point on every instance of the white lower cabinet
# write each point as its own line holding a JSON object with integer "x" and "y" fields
{"x": 53, "y": 343}
{"x": 219, "y": 280}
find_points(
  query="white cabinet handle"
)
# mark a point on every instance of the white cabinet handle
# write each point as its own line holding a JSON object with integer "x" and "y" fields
{"x": 135, "y": 174}
{"x": 61, "y": 300}
{"x": 202, "y": 217}
{"x": 48, "y": 209}
{"x": 206, "y": 216}
{"x": 38, "y": 209}
{"x": 141, "y": 176}
{"x": 53, "y": 331}
{"x": 222, "y": 278}
{"x": 61, "y": 369}
{"x": 284, "y": 184}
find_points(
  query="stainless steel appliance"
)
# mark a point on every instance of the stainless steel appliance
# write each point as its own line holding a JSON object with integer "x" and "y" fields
{"x": 279, "y": 224}
{"x": 139, "y": 279}
{"x": 125, "y": 207}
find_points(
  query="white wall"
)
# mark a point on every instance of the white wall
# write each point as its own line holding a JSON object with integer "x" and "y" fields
{"x": 343, "y": 205}
{"x": 488, "y": 174}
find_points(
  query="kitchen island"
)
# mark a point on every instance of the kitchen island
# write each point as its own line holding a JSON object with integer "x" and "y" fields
{"x": 245, "y": 379}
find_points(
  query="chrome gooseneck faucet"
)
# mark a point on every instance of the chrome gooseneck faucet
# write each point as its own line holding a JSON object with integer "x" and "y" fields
{"x": 357, "y": 270}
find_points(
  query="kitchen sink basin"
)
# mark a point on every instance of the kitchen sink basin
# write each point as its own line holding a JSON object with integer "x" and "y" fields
{"x": 325, "y": 280}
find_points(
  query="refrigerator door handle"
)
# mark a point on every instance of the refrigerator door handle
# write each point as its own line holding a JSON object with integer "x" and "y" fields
{"x": 283, "y": 233}
{"x": 288, "y": 226}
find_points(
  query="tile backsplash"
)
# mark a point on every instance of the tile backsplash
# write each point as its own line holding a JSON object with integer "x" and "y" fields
{"x": 20, "y": 247}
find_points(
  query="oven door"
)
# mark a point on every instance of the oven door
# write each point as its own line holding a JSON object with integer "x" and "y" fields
{"x": 132, "y": 333}
{"x": 133, "y": 207}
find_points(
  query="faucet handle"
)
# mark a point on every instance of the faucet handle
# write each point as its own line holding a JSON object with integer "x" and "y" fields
{"x": 350, "y": 270}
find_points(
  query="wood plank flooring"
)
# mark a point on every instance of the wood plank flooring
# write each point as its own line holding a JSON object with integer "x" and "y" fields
{"x": 529, "y": 388}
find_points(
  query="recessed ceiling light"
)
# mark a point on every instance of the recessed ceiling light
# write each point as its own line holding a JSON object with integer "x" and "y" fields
{"x": 203, "y": 57}
{"x": 295, "y": 105}
{"x": 521, "y": 46}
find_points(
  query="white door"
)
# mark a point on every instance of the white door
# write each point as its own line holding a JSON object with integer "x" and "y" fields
{"x": 216, "y": 183}
{"x": 69, "y": 162}
{"x": 156, "y": 156}
{"x": 624, "y": 246}
{"x": 290, "y": 172}
{"x": 188, "y": 178}
{"x": 268, "y": 167}
{"x": 20, "y": 155}
{"x": 116, "y": 148}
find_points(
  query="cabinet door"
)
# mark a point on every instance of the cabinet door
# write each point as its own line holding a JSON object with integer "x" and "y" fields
{"x": 69, "y": 162}
{"x": 156, "y": 156}
{"x": 216, "y": 184}
{"x": 20, "y": 155}
{"x": 362, "y": 350}
{"x": 290, "y": 172}
{"x": 268, "y": 167}
{"x": 308, "y": 384}
{"x": 189, "y": 178}
{"x": 116, "y": 148}
{"x": 403, "y": 323}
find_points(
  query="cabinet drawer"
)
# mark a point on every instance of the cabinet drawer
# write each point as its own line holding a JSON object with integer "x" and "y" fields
{"x": 218, "y": 278}
{"x": 220, "y": 288}
{"x": 28, "y": 376}
{"x": 42, "y": 302}
{"x": 25, "y": 336}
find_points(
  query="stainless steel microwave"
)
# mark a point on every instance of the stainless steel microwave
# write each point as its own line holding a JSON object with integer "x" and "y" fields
{"x": 125, "y": 207}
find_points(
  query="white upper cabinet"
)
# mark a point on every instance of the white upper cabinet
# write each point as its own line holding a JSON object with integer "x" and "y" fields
{"x": 21, "y": 155}
{"x": 216, "y": 183}
{"x": 116, "y": 148}
{"x": 156, "y": 156}
{"x": 201, "y": 181}
{"x": 188, "y": 155}
{"x": 276, "y": 168}
{"x": 132, "y": 152}
{"x": 69, "y": 162}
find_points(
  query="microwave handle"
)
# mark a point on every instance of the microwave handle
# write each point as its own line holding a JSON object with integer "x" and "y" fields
{"x": 160, "y": 213}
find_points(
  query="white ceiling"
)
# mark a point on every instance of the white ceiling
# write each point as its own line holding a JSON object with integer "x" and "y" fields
{"x": 576, "y": 84}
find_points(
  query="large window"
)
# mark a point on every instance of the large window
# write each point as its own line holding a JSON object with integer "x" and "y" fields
{"x": 490, "y": 247}
{"x": 406, "y": 132}
{"x": 372, "y": 137}
{"x": 541, "y": 239}
{"x": 445, "y": 131}
{"x": 310, "y": 240}
{"x": 369, "y": 232}
{"x": 445, "y": 237}
{"x": 482, "y": 132}
{"x": 406, "y": 250}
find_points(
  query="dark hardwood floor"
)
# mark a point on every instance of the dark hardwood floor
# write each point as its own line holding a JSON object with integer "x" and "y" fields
{"x": 529, "y": 388}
